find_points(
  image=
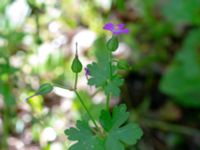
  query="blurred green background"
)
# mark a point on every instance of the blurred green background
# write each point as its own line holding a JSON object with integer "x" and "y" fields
{"x": 161, "y": 89}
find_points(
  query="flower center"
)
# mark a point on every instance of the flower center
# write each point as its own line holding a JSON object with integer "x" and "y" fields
{"x": 116, "y": 27}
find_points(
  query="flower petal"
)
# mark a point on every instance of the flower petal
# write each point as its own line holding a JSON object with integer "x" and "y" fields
{"x": 108, "y": 26}
{"x": 120, "y": 26}
{"x": 121, "y": 31}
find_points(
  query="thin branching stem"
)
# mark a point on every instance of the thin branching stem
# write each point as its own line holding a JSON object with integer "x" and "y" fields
{"x": 87, "y": 110}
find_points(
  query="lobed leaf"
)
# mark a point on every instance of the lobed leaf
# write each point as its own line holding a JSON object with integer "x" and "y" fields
{"x": 85, "y": 138}
{"x": 100, "y": 74}
{"x": 119, "y": 134}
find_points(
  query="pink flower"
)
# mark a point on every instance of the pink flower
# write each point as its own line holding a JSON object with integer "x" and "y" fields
{"x": 116, "y": 29}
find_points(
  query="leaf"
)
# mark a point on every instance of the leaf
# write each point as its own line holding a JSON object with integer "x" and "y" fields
{"x": 182, "y": 79}
{"x": 86, "y": 140}
{"x": 101, "y": 52}
{"x": 113, "y": 86}
{"x": 100, "y": 74}
{"x": 100, "y": 70}
{"x": 119, "y": 134}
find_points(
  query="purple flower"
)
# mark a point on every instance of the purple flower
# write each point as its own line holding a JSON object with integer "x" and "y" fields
{"x": 87, "y": 72}
{"x": 116, "y": 29}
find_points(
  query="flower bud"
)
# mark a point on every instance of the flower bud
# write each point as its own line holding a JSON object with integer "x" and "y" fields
{"x": 44, "y": 89}
{"x": 76, "y": 65}
{"x": 112, "y": 44}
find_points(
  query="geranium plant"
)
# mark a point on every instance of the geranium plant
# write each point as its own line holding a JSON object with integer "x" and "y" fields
{"x": 111, "y": 131}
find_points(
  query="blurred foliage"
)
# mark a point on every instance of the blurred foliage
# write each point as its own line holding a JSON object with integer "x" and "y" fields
{"x": 182, "y": 12}
{"x": 182, "y": 79}
{"x": 36, "y": 46}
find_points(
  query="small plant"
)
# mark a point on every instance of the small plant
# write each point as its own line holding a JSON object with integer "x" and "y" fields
{"x": 111, "y": 132}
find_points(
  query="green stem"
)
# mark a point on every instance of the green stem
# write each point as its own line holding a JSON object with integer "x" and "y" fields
{"x": 110, "y": 68}
{"x": 86, "y": 109}
{"x": 82, "y": 102}
{"x": 110, "y": 64}
{"x": 108, "y": 102}
{"x": 76, "y": 79}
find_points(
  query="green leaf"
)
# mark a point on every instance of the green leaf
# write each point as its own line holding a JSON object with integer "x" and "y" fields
{"x": 118, "y": 134}
{"x": 101, "y": 52}
{"x": 85, "y": 138}
{"x": 100, "y": 71}
{"x": 113, "y": 86}
{"x": 100, "y": 74}
{"x": 182, "y": 79}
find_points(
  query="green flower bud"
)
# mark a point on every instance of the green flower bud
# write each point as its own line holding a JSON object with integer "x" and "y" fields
{"x": 76, "y": 65}
{"x": 44, "y": 89}
{"x": 112, "y": 44}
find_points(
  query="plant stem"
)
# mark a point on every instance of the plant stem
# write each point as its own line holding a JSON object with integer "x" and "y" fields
{"x": 76, "y": 79}
{"x": 86, "y": 109}
{"x": 107, "y": 102}
{"x": 110, "y": 64}
{"x": 30, "y": 97}
{"x": 82, "y": 102}
{"x": 110, "y": 68}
